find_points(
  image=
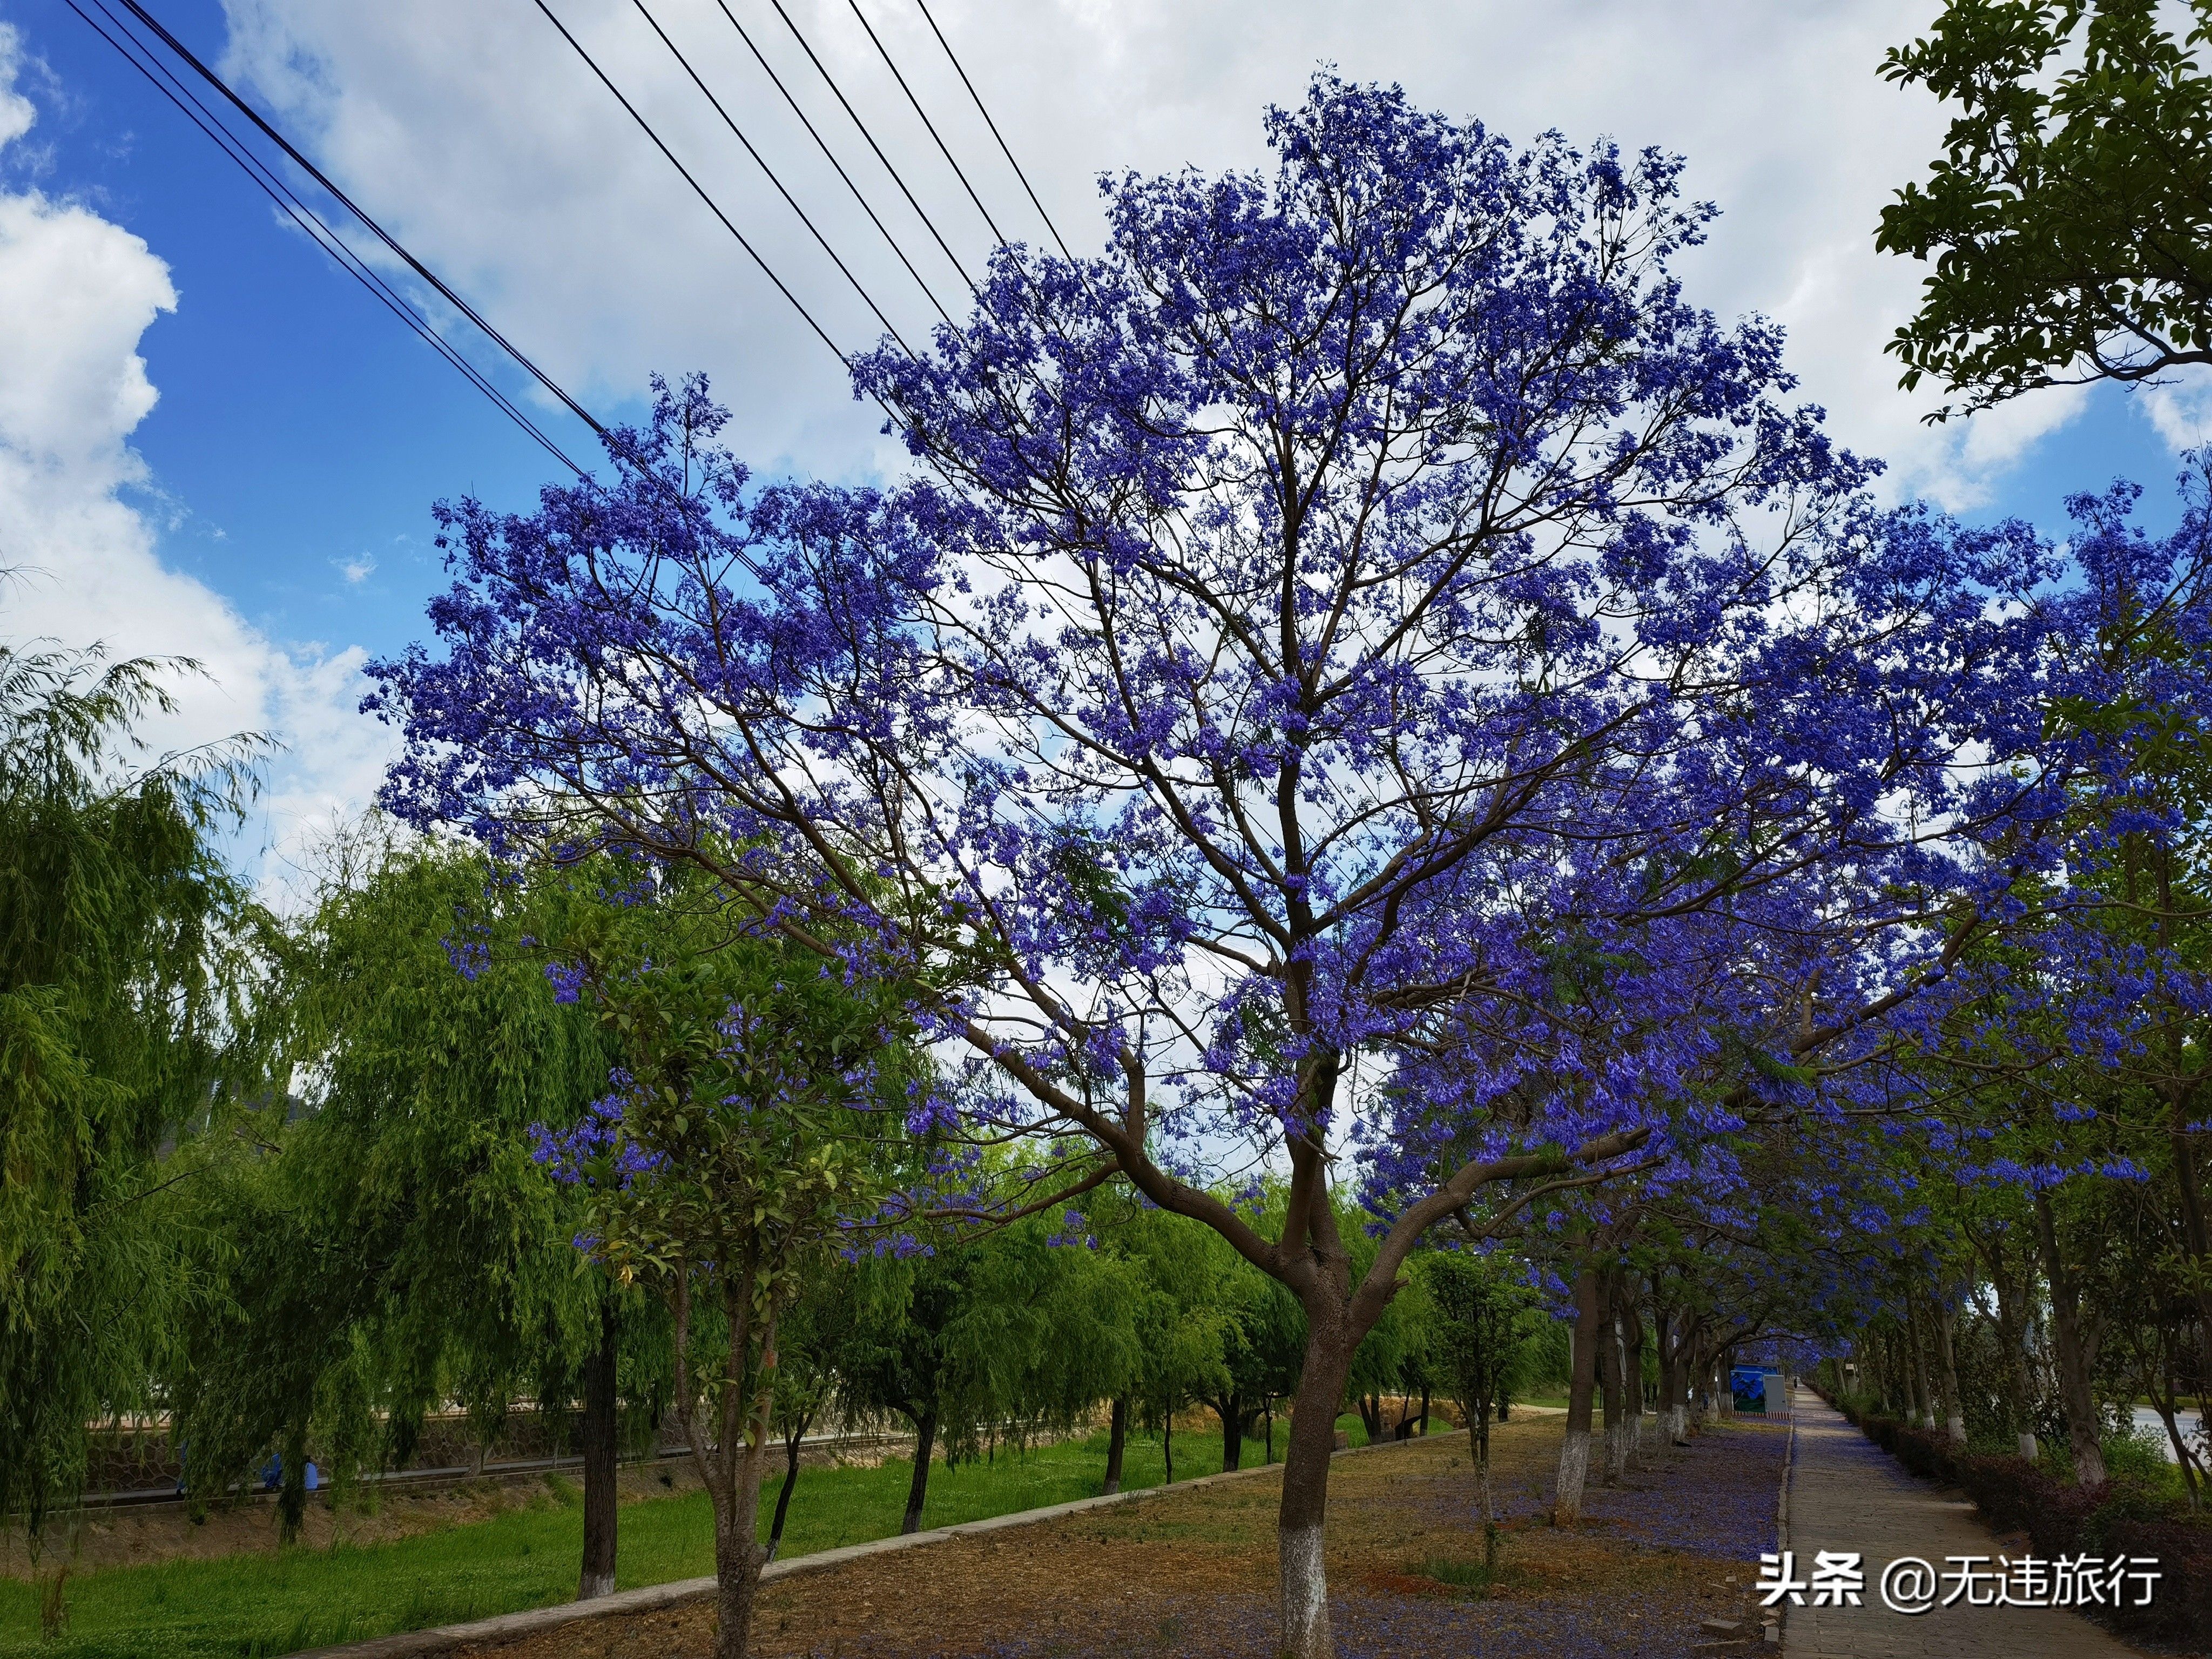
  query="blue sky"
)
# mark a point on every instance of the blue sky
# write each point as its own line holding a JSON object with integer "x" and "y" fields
{"x": 271, "y": 513}
{"x": 301, "y": 427}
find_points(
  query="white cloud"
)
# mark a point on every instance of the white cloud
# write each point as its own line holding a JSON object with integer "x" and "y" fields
{"x": 356, "y": 570}
{"x": 2181, "y": 408}
{"x": 485, "y": 144}
{"x": 16, "y": 112}
{"x": 77, "y": 295}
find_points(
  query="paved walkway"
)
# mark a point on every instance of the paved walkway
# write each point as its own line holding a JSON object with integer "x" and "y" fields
{"x": 1848, "y": 1494}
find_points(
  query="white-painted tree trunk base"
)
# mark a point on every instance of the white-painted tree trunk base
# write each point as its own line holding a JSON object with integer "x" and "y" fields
{"x": 1305, "y": 1595}
{"x": 1574, "y": 1474}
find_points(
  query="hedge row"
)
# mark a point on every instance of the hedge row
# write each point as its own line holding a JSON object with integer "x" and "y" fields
{"x": 2120, "y": 1517}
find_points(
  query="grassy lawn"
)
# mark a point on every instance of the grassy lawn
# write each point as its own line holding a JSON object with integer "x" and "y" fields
{"x": 253, "y": 1606}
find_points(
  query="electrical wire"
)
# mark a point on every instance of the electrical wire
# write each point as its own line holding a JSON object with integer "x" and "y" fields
{"x": 350, "y": 206}
{"x": 618, "y": 446}
{"x": 830, "y": 156}
{"x": 304, "y": 216}
{"x": 831, "y": 81}
{"x": 943, "y": 150}
{"x": 738, "y": 133}
{"x": 1003, "y": 147}
{"x": 697, "y": 189}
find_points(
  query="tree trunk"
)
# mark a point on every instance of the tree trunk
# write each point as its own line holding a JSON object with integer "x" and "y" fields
{"x": 2160, "y": 1388}
{"x": 1424, "y": 1429}
{"x": 738, "y": 1558}
{"x": 793, "y": 1433}
{"x": 1574, "y": 1450}
{"x": 1612, "y": 1388}
{"x": 1947, "y": 1353}
{"x": 2012, "y": 1330}
{"x": 1117, "y": 1433}
{"x": 1304, "y": 1508}
{"x": 2074, "y": 1394}
{"x": 925, "y": 1442}
{"x": 1230, "y": 1406}
{"x": 292, "y": 1491}
{"x": 599, "y": 1434}
{"x": 2193, "y": 1228}
{"x": 1370, "y": 1416}
{"x": 1916, "y": 1351}
{"x": 1631, "y": 1378}
{"x": 1477, "y": 1428}
{"x": 734, "y": 1471}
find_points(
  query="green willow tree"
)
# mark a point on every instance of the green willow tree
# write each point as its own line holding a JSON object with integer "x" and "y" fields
{"x": 396, "y": 1247}
{"x": 2068, "y": 221}
{"x": 129, "y": 1025}
{"x": 1012, "y": 1331}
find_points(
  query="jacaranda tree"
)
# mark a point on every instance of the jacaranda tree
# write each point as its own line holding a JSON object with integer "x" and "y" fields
{"x": 757, "y": 1114}
{"x": 1358, "y": 594}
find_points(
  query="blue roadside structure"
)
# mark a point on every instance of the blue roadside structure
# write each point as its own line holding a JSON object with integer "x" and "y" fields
{"x": 1758, "y": 1390}
{"x": 273, "y": 1474}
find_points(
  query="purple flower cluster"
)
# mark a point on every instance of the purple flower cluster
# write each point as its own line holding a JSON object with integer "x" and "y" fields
{"x": 598, "y": 1150}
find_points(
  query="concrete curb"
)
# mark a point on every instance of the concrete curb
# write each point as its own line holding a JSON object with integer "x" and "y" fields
{"x": 1775, "y": 1633}
{"x": 654, "y": 1598}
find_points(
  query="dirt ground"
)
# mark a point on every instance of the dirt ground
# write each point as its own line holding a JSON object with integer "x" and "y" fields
{"x": 1195, "y": 1573}
{"x": 93, "y": 1539}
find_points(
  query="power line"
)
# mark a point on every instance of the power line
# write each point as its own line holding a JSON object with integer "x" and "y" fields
{"x": 297, "y": 210}
{"x": 830, "y": 156}
{"x": 309, "y": 221}
{"x": 738, "y": 133}
{"x": 350, "y": 206}
{"x": 943, "y": 150}
{"x": 1003, "y": 147}
{"x": 697, "y": 189}
{"x": 831, "y": 81}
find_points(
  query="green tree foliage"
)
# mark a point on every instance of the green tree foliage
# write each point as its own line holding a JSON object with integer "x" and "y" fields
{"x": 1011, "y": 1333}
{"x": 130, "y": 1024}
{"x": 1183, "y": 1329}
{"x": 2070, "y": 217}
{"x": 1477, "y": 1336}
{"x": 1263, "y": 1346}
{"x": 396, "y": 1248}
{"x": 816, "y": 1329}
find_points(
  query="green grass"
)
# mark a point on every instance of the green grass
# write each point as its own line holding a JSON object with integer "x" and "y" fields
{"x": 254, "y": 1607}
{"x": 1470, "y": 1577}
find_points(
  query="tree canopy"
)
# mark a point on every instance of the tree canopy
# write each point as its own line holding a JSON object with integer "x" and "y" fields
{"x": 2069, "y": 220}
